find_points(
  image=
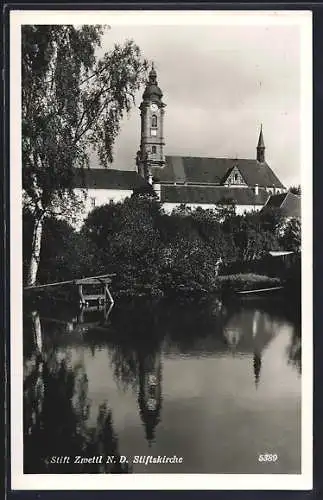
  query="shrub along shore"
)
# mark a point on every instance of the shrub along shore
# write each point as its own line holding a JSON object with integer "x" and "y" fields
{"x": 185, "y": 253}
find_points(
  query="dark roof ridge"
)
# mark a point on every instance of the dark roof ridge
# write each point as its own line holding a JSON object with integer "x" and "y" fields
{"x": 216, "y": 157}
{"x": 293, "y": 194}
{"x": 106, "y": 169}
{"x": 284, "y": 199}
{"x": 106, "y": 178}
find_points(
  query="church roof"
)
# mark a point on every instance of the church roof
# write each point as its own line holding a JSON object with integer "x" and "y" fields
{"x": 106, "y": 178}
{"x": 202, "y": 170}
{"x": 289, "y": 204}
{"x": 212, "y": 195}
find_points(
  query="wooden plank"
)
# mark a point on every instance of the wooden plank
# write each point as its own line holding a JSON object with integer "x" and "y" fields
{"x": 108, "y": 293}
{"x": 262, "y": 290}
{"x": 93, "y": 296}
{"x": 69, "y": 282}
{"x": 93, "y": 281}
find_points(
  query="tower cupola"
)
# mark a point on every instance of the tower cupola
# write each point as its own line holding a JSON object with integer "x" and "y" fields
{"x": 151, "y": 152}
{"x": 152, "y": 91}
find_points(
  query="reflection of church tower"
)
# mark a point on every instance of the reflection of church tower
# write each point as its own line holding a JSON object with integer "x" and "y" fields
{"x": 150, "y": 394}
{"x": 151, "y": 153}
{"x": 257, "y": 367}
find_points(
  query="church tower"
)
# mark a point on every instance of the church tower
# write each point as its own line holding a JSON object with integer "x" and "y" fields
{"x": 152, "y": 109}
{"x": 261, "y": 148}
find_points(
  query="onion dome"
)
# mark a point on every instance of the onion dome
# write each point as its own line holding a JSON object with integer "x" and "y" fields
{"x": 152, "y": 90}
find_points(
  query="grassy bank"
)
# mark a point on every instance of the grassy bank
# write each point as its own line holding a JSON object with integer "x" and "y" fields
{"x": 241, "y": 282}
{"x": 228, "y": 284}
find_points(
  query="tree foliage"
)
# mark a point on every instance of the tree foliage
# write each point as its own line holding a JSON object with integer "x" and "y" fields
{"x": 296, "y": 190}
{"x": 154, "y": 253}
{"x": 289, "y": 233}
{"x": 72, "y": 102}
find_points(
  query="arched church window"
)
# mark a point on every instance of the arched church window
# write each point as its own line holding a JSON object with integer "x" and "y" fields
{"x": 154, "y": 121}
{"x": 153, "y": 150}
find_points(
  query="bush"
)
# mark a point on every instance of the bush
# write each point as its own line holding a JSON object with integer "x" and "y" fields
{"x": 127, "y": 242}
{"x": 155, "y": 254}
{"x": 241, "y": 282}
{"x": 65, "y": 254}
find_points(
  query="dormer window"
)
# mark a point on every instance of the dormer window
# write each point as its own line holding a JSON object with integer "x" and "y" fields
{"x": 154, "y": 121}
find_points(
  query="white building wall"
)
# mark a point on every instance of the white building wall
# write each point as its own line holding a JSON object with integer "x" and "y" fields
{"x": 98, "y": 197}
{"x": 240, "y": 209}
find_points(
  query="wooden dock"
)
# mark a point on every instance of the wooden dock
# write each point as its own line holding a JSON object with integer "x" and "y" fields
{"x": 89, "y": 292}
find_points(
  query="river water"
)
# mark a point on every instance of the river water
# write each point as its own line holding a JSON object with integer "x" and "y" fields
{"x": 216, "y": 385}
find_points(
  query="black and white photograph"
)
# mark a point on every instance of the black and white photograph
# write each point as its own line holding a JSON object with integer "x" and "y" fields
{"x": 161, "y": 250}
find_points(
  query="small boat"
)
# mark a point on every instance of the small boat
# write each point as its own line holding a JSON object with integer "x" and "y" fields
{"x": 261, "y": 291}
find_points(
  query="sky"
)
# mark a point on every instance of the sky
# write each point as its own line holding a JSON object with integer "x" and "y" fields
{"x": 220, "y": 83}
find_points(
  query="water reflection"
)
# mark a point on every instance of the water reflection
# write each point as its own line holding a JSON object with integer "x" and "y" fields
{"x": 150, "y": 393}
{"x": 96, "y": 383}
{"x": 57, "y": 407}
{"x": 257, "y": 367}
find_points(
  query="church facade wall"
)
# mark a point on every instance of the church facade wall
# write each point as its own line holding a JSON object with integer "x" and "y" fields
{"x": 240, "y": 209}
{"x": 98, "y": 197}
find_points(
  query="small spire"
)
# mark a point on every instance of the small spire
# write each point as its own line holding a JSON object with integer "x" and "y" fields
{"x": 261, "y": 143}
{"x": 153, "y": 74}
{"x": 261, "y": 147}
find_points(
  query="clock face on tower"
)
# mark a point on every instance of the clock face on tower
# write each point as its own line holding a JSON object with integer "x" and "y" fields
{"x": 153, "y": 107}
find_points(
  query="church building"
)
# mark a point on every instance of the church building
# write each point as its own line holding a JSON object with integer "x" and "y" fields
{"x": 194, "y": 181}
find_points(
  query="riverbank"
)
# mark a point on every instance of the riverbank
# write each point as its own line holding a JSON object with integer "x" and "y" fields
{"x": 223, "y": 285}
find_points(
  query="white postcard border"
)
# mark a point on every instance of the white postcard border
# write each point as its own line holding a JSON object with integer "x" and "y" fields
{"x": 21, "y": 481}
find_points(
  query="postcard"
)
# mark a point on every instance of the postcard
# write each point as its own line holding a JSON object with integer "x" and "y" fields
{"x": 161, "y": 250}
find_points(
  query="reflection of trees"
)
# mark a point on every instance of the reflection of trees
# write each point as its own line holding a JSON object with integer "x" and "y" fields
{"x": 55, "y": 423}
{"x": 125, "y": 366}
{"x": 294, "y": 352}
{"x": 56, "y": 412}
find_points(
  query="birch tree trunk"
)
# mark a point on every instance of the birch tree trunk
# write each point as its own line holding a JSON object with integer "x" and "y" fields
{"x": 35, "y": 251}
{"x": 37, "y": 331}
